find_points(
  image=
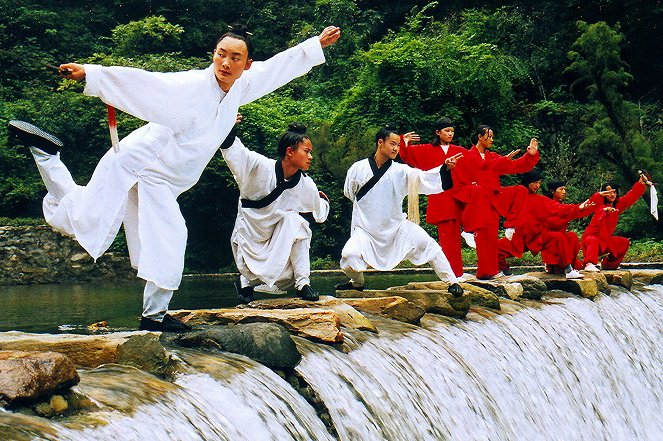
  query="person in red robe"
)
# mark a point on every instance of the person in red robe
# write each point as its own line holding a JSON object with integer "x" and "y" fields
{"x": 560, "y": 223}
{"x": 531, "y": 233}
{"x": 483, "y": 199}
{"x": 598, "y": 238}
{"x": 443, "y": 210}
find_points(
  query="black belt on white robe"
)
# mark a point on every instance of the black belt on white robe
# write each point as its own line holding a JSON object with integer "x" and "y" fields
{"x": 281, "y": 186}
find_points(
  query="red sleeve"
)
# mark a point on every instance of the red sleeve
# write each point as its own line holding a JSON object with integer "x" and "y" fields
{"x": 412, "y": 156}
{"x": 632, "y": 196}
{"x": 506, "y": 166}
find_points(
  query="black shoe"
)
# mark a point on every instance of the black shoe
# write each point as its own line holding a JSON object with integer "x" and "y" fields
{"x": 244, "y": 295}
{"x": 169, "y": 324}
{"x": 32, "y": 136}
{"x": 308, "y": 293}
{"x": 348, "y": 285}
{"x": 456, "y": 290}
{"x": 507, "y": 272}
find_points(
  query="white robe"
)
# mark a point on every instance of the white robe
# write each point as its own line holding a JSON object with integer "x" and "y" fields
{"x": 263, "y": 237}
{"x": 188, "y": 117}
{"x": 380, "y": 232}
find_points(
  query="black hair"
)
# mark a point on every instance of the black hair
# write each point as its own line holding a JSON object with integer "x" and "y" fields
{"x": 480, "y": 131}
{"x": 295, "y": 134}
{"x": 614, "y": 187}
{"x": 531, "y": 176}
{"x": 554, "y": 185}
{"x": 384, "y": 133}
{"x": 440, "y": 124}
{"x": 239, "y": 32}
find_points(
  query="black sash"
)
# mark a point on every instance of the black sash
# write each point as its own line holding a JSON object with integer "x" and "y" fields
{"x": 281, "y": 186}
{"x": 378, "y": 173}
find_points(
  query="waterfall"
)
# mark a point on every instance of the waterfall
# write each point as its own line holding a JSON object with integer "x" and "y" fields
{"x": 564, "y": 369}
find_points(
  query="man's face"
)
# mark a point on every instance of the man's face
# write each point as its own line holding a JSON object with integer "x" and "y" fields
{"x": 612, "y": 195}
{"x": 301, "y": 157}
{"x": 559, "y": 194}
{"x": 230, "y": 60}
{"x": 445, "y": 135}
{"x": 389, "y": 146}
{"x": 534, "y": 186}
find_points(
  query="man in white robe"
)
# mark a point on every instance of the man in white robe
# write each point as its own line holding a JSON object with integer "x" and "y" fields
{"x": 381, "y": 236}
{"x": 189, "y": 114}
{"x": 272, "y": 238}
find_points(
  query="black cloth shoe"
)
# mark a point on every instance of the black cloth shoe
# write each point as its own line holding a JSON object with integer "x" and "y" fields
{"x": 456, "y": 290}
{"x": 348, "y": 285}
{"x": 308, "y": 293}
{"x": 244, "y": 295}
{"x": 169, "y": 324}
{"x": 30, "y": 135}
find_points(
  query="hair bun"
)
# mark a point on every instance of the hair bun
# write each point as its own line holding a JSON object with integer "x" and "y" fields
{"x": 297, "y": 128}
{"x": 239, "y": 29}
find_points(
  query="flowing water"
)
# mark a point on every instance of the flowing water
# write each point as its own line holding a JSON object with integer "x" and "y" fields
{"x": 564, "y": 369}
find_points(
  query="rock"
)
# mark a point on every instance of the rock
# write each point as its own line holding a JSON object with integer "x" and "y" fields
{"x": 435, "y": 301}
{"x": 587, "y": 287}
{"x": 476, "y": 295}
{"x": 533, "y": 287}
{"x": 316, "y": 324}
{"x": 83, "y": 350}
{"x": 600, "y": 279}
{"x": 512, "y": 291}
{"x": 146, "y": 352}
{"x": 266, "y": 343}
{"x": 58, "y": 404}
{"x": 27, "y": 376}
{"x": 648, "y": 276}
{"x": 619, "y": 278}
{"x": 349, "y": 317}
{"x": 394, "y": 307}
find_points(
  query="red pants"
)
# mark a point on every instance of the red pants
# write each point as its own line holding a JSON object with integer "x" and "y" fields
{"x": 448, "y": 234}
{"x": 556, "y": 249}
{"x": 616, "y": 248}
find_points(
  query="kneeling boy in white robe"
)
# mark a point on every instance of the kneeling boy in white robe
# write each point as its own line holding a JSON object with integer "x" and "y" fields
{"x": 381, "y": 235}
{"x": 271, "y": 238}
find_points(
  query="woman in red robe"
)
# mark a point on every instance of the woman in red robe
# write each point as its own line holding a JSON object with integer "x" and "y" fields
{"x": 443, "y": 210}
{"x": 598, "y": 238}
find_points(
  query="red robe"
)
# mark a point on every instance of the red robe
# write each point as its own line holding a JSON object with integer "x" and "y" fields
{"x": 477, "y": 187}
{"x": 443, "y": 209}
{"x": 532, "y": 233}
{"x": 598, "y": 238}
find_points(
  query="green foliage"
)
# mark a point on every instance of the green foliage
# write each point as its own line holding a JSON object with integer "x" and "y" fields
{"x": 148, "y": 35}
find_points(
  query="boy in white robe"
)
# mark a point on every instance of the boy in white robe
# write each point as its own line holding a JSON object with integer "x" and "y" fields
{"x": 381, "y": 236}
{"x": 189, "y": 114}
{"x": 271, "y": 238}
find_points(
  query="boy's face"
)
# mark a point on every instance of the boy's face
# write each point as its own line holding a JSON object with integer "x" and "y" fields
{"x": 390, "y": 145}
{"x": 534, "y": 186}
{"x": 301, "y": 157}
{"x": 231, "y": 58}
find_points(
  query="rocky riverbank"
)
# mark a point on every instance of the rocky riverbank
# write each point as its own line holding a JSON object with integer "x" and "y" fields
{"x": 38, "y": 371}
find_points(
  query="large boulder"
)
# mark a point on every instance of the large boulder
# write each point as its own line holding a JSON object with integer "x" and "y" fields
{"x": 394, "y": 307}
{"x": 477, "y": 296}
{"x": 266, "y": 343}
{"x": 533, "y": 287}
{"x": 146, "y": 352}
{"x": 619, "y": 278}
{"x": 587, "y": 287}
{"x": 349, "y": 316}
{"x": 316, "y": 324}
{"x": 27, "y": 376}
{"x": 83, "y": 350}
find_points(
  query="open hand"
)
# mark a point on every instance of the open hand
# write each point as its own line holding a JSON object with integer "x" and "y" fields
{"x": 410, "y": 137}
{"x": 586, "y": 204}
{"x": 533, "y": 146}
{"x": 513, "y": 153}
{"x": 610, "y": 209}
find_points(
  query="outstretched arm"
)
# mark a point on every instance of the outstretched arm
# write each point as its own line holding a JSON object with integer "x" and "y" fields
{"x": 266, "y": 76}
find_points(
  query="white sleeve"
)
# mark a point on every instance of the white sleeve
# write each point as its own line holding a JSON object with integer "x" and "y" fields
{"x": 350, "y": 186}
{"x": 428, "y": 181}
{"x": 266, "y": 76}
{"x": 162, "y": 98}
{"x": 322, "y": 212}
{"x": 241, "y": 161}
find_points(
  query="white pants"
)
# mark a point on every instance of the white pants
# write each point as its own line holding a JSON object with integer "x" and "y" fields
{"x": 58, "y": 182}
{"x": 296, "y": 273}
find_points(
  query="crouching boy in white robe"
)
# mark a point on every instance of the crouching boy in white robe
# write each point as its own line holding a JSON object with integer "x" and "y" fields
{"x": 189, "y": 114}
{"x": 271, "y": 238}
{"x": 381, "y": 236}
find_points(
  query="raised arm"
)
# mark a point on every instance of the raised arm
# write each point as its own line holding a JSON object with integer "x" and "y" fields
{"x": 266, "y": 76}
